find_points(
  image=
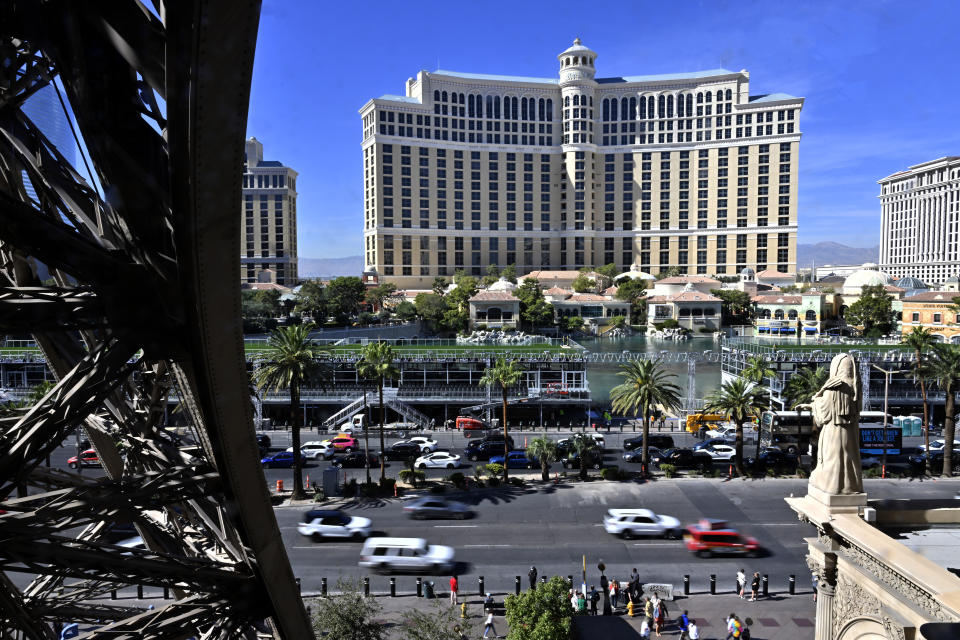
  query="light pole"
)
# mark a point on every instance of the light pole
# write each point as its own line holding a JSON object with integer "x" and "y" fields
{"x": 886, "y": 393}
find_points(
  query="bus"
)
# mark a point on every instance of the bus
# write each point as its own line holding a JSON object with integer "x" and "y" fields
{"x": 792, "y": 430}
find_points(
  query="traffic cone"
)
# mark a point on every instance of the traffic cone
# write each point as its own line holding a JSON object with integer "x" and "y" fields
{"x": 279, "y": 486}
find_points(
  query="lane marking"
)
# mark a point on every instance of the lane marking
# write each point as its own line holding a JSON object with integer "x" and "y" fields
{"x": 455, "y": 526}
{"x": 487, "y": 546}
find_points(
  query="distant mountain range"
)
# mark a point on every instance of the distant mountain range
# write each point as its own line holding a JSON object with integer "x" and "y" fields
{"x": 330, "y": 267}
{"x": 834, "y": 253}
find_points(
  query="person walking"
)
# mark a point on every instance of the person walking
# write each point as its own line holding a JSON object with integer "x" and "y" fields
{"x": 741, "y": 583}
{"x": 648, "y": 610}
{"x": 532, "y": 577}
{"x": 659, "y": 615}
{"x": 815, "y": 582}
{"x": 645, "y": 629}
{"x": 454, "y": 586}
{"x": 635, "y": 584}
{"x": 693, "y": 631}
{"x": 581, "y": 604}
{"x": 754, "y": 586}
{"x": 594, "y": 600}
{"x": 488, "y": 626}
{"x": 731, "y": 619}
{"x": 683, "y": 622}
{"x": 614, "y": 590}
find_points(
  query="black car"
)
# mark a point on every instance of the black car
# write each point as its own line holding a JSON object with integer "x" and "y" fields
{"x": 918, "y": 462}
{"x": 684, "y": 459}
{"x": 401, "y": 451}
{"x": 263, "y": 440}
{"x": 637, "y": 454}
{"x": 484, "y": 450}
{"x": 773, "y": 458}
{"x": 594, "y": 459}
{"x": 354, "y": 460}
{"x": 659, "y": 441}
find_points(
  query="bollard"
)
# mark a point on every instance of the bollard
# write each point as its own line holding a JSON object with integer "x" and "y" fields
{"x": 543, "y": 579}
{"x": 713, "y": 584}
{"x": 393, "y": 587}
{"x": 323, "y": 587}
{"x": 765, "y": 583}
{"x": 570, "y": 582}
{"x": 139, "y": 592}
{"x": 480, "y": 586}
{"x": 366, "y": 587}
{"x": 792, "y": 584}
{"x": 516, "y": 585}
{"x": 419, "y": 587}
{"x": 686, "y": 584}
{"x": 299, "y": 588}
{"x": 166, "y": 593}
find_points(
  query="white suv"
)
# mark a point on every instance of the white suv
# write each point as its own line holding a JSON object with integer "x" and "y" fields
{"x": 319, "y": 524}
{"x": 406, "y": 555}
{"x": 629, "y": 523}
{"x": 315, "y": 449}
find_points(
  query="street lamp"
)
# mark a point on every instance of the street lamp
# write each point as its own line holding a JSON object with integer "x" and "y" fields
{"x": 886, "y": 393}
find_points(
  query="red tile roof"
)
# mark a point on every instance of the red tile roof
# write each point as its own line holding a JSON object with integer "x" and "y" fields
{"x": 686, "y": 279}
{"x": 493, "y": 296}
{"x": 685, "y": 296}
{"x": 777, "y": 299}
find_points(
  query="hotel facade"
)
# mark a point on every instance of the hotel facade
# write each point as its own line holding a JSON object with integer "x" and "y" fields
{"x": 920, "y": 221}
{"x": 683, "y": 170}
{"x": 269, "y": 220}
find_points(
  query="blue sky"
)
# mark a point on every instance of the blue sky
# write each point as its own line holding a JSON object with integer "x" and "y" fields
{"x": 879, "y": 80}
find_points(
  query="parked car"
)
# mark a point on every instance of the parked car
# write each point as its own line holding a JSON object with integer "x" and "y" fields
{"x": 720, "y": 431}
{"x": 401, "y": 451}
{"x": 565, "y": 445}
{"x": 657, "y": 440}
{"x": 319, "y": 524}
{"x": 918, "y": 462}
{"x": 594, "y": 460}
{"x": 426, "y": 508}
{"x": 939, "y": 444}
{"x": 484, "y": 450}
{"x": 684, "y": 459}
{"x": 637, "y": 454}
{"x": 263, "y": 440}
{"x": 629, "y": 523}
{"x": 438, "y": 460}
{"x": 282, "y": 460}
{"x": 515, "y": 460}
{"x": 426, "y": 443}
{"x": 711, "y": 537}
{"x": 343, "y": 442}
{"x": 88, "y": 458}
{"x": 773, "y": 458}
{"x": 406, "y": 555}
{"x": 315, "y": 449}
{"x": 708, "y": 443}
{"x": 355, "y": 460}
{"x": 720, "y": 452}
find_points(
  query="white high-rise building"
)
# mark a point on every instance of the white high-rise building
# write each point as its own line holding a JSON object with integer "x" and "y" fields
{"x": 680, "y": 170}
{"x": 920, "y": 221}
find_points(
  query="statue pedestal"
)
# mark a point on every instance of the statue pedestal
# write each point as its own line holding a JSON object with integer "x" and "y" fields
{"x": 838, "y": 502}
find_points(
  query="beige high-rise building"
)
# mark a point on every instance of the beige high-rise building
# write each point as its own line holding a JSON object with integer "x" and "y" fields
{"x": 686, "y": 170}
{"x": 269, "y": 219}
{"x": 920, "y": 221}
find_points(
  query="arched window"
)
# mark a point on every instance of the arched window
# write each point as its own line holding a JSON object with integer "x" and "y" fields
{"x": 719, "y": 95}
{"x": 496, "y": 107}
{"x": 523, "y": 108}
{"x": 513, "y": 107}
{"x": 624, "y": 108}
{"x": 699, "y": 98}
{"x": 436, "y": 95}
{"x": 810, "y": 315}
{"x": 576, "y": 100}
{"x": 591, "y": 101}
{"x": 643, "y": 107}
{"x": 489, "y": 106}
{"x": 606, "y": 109}
{"x": 709, "y": 97}
{"x": 566, "y": 101}
{"x": 729, "y": 94}
{"x": 792, "y": 315}
{"x": 479, "y": 106}
{"x": 765, "y": 314}
{"x": 633, "y": 109}
{"x": 470, "y": 111}
{"x": 661, "y": 105}
{"x": 689, "y": 104}
{"x": 443, "y": 96}
{"x": 549, "y": 109}
{"x": 778, "y": 314}
{"x": 540, "y": 111}
{"x": 680, "y": 105}
{"x": 669, "y": 106}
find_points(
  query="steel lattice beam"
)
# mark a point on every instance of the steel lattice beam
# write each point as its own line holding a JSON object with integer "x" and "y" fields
{"x": 145, "y": 301}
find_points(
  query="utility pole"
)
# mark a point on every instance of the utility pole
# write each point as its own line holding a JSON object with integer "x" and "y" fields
{"x": 886, "y": 396}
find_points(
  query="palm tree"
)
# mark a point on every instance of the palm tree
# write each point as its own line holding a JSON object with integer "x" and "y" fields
{"x": 544, "y": 450}
{"x": 646, "y": 384}
{"x": 290, "y": 360}
{"x": 377, "y": 365}
{"x": 504, "y": 374}
{"x": 739, "y": 401}
{"x": 945, "y": 370}
{"x": 921, "y": 340}
{"x": 800, "y": 388}
{"x": 757, "y": 369}
{"x": 584, "y": 445}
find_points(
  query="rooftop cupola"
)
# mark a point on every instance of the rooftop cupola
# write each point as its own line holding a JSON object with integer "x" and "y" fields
{"x": 577, "y": 63}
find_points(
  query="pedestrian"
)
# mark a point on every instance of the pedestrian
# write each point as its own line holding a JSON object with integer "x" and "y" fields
{"x": 683, "y": 622}
{"x": 741, "y": 582}
{"x": 532, "y": 577}
{"x": 635, "y": 584}
{"x": 815, "y": 582}
{"x": 644, "y": 629}
{"x": 581, "y": 603}
{"x": 659, "y": 615}
{"x": 614, "y": 590}
{"x": 573, "y": 600}
{"x": 454, "y": 586}
{"x": 693, "y": 632}
{"x": 647, "y": 610}
{"x": 730, "y": 625}
{"x": 488, "y": 626}
{"x": 594, "y": 600}
{"x": 754, "y": 586}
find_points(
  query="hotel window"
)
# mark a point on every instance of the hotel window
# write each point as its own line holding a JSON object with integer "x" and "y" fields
{"x": 937, "y": 318}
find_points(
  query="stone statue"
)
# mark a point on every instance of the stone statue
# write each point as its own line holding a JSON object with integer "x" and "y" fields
{"x": 836, "y": 412}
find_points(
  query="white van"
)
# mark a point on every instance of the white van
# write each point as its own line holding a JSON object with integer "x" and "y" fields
{"x": 355, "y": 425}
{"x": 405, "y": 555}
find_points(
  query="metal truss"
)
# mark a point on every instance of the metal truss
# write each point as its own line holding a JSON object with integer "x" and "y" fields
{"x": 142, "y": 301}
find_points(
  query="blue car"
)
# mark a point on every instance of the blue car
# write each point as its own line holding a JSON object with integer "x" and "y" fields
{"x": 281, "y": 460}
{"x": 515, "y": 460}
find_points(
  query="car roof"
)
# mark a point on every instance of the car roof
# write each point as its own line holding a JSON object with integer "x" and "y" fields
{"x": 395, "y": 542}
{"x": 617, "y": 513}
{"x": 324, "y": 513}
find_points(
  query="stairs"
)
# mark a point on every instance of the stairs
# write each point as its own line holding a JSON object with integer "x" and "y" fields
{"x": 344, "y": 413}
{"x": 408, "y": 413}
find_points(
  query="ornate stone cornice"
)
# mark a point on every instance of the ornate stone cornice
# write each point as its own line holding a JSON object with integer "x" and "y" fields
{"x": 851, "y": 602}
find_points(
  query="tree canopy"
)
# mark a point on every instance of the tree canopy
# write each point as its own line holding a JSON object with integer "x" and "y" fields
{"x": 543, "y": 613}
{"x": 872, "y": 312}
{"x": 344, "y": 296}
{"x": 584, "y": 283}
{"x": 735, "y": 306}
{"x": 632, "y": 291}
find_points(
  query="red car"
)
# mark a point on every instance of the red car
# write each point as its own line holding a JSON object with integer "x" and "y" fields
{"x": 88, "y": 458}
{"x": 343, "y": 443}
{"x": 714, "y": 537}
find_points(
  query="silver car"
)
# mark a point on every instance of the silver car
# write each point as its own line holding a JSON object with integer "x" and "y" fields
{"x": 428, "y": 508}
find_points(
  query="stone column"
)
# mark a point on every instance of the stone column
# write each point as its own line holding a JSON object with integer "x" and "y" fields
{"x": 824, "y": 629}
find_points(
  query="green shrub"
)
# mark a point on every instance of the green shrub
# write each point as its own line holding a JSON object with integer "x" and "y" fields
{"x": 412, "y": 476}
{"x": 478, "y": 471}
{"x": 872, "y": 472}
{"x": 438, "y": 488}
{"x": 772, "y": 472}
{"x": 388, "y": 485}
{"x": 480, "y": 326}
{"x": 495, "y": 470}
{"x": 350, "y": 489}
{"x": 370, "y": 490}
{"x": 669, "y": 470}
{"x": 802, "y": 473}
{"x": 610, "y": 473}
{"x": 669, "y": 323}
{"x": 493, "y": 481}
{"x": 517, "y": 482}
{"x": 706, "y": 330}
{"x": 458, "y": 480}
